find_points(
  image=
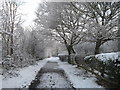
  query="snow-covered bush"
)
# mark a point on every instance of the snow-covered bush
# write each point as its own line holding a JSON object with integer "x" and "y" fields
{"x": 107, "y": 56}
{"x": 8, "y": 63}
{"x": 22, "y": 59}
{"x": 104, "y": 56}
{"x": 17, "y": 60}
{"x": 108, "y": 65}
{"x": 95, "y": 64}
{"x": 113, "y": 70}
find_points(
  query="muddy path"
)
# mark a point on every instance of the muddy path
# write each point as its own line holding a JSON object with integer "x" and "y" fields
{"x": 51, "y": 76}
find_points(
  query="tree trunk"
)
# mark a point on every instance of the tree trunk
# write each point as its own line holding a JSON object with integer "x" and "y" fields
{"x": 70, "y": 51}
{"x": 73, "y": 51}
{"x": 97, "y": 47}
{"x": 11, "y": 38}
{"x": 11, "y": 45}
{"x": 119, "y": 33}
{"x": 119, "y": 36}
{"x": 4, "y": 47}
{"x": 8, "y": 45}
{"x": 119, "y": 41}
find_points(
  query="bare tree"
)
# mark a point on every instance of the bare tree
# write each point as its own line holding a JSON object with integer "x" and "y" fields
{"x": 102, "y": 23}
{"x": 10, "y": 19}
{"x": 66, "y": 22}
{"x": 105, "y": 16}
{"x": 119, "y": 32}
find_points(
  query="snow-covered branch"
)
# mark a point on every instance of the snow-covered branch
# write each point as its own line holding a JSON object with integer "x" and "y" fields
{"x": 5, "y": 32}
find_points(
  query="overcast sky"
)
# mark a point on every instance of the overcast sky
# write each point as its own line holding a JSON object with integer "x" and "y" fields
{"x": 28, "y": 8}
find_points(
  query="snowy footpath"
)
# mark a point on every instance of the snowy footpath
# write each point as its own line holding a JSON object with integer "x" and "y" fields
{"x": 54, "y": 74}
{"x": 51, "y": 76}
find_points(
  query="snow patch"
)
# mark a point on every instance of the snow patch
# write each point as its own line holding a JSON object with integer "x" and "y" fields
{"x": 78, "y": 77}
{"x": 108, "y": 56}
{"x": 1, "y": 82}
{"x": 53, "y": 59}
{"x": 26, "y": 75}
{"x": 105, "y": 56}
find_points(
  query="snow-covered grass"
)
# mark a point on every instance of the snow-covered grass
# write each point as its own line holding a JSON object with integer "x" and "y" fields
{"x": 1, "y": 82}
{"x": 26, "y": 75}
{"x": 5, "y": 32}
{"x": 105, "y": 56}
{"x": 53, "y": 59}
{"x": 78, "y": 77}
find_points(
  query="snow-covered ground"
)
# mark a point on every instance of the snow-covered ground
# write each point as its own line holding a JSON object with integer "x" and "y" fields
{"x": 57, "y": 81}
{"x": 77, "y": 77}
{"x": 1, "y": 82}
{"x": 106, "y": 56}
{"x": 26, "y": 75}
{"x": 52, "y": 76}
